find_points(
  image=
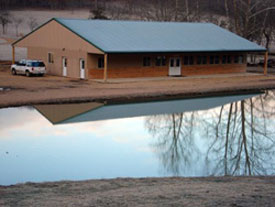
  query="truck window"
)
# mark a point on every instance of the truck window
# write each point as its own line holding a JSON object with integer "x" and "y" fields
{"x": 38, "y": 64}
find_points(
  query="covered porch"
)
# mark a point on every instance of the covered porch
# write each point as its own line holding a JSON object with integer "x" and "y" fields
{"x": 146, "y": 65}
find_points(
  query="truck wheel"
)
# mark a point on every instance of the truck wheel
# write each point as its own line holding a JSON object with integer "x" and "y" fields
{"x": 28, "y": 74}
{"x": 13, "y": 71}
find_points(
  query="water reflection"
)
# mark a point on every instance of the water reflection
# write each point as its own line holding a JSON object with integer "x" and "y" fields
{"x": 242, "y": 137}
{"x": 84, "y": 112}
{"x": 239, "y": 138}
{"x": 175, "y": 139}
{"x": 231, "y": 135}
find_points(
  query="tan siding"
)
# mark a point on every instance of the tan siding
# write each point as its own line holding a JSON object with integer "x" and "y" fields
{"x": 60, "y": 112}
{"x": 55, "y": 36}
{"x": 73, "y": 58}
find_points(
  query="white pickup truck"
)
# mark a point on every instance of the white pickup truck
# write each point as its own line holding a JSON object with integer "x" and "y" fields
{"x": 28, "y": 67}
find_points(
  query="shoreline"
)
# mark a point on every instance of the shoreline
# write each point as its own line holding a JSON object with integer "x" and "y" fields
{"x": 165, "y": 191}
{"x": 21, "y": 91}
{"x": 141, "y": 99}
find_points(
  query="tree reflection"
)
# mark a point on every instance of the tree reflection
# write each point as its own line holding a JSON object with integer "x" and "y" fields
{"x": 175, "y": 139}
{"x": 240, "y": 137}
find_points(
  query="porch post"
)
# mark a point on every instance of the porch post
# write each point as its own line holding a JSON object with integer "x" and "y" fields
{"x": 265, "y": 63}
{"x": 13, "y": 54}
{"x": 105, "y": 66}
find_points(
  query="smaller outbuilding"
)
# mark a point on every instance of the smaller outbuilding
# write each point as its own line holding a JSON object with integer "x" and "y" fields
{"x": 97, "y": 49}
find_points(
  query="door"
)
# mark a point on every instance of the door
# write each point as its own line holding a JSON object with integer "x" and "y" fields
{"x": 175, "y": 66}
{"x": 64, "y": 65}
{"x": 82, "y": 68}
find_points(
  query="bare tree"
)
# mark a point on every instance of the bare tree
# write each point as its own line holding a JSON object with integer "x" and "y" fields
{"x": 118, "y": 12}
{"x": 176, "y": 9}
{"x": 250, "y": 17}
{"x": 164, "y": 11}
{"x": 17, "y": 21}
{"x": 5, "y": 19}
{"x": 157, "y": 10}
{"x": 187, "y": 14}
{"x": 98, "y": 10}
{"x": 32, "y": 23}
{"x": 269, "y": 29}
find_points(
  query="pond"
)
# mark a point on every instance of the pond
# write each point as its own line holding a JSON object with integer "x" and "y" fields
{"x": 216, "y": 136}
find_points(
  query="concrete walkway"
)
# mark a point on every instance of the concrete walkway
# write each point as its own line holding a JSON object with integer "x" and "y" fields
{"x": 125, "y": 80}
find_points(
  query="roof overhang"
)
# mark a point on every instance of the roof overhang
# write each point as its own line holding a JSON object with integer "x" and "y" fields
{"x": 201, "y": 51}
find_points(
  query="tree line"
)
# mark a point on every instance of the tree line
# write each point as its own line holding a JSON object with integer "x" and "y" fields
{"x": 44, "y": 4}
{"x": 251, "y": 19}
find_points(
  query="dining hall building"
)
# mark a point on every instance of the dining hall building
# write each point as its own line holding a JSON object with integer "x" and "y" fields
{"x": 101, "y": 49}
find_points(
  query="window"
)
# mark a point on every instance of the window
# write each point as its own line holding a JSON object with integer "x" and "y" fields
{"x": 241, "y": 59}
{"x": 191, "y": 60}
{"x": 177, "y": 62}
{"x": 229, "y": 59}
{"x": 224, "y": 58}
{"x": 212, "y": 59}
{"x": 204, "y": 60}
{"x": 65, "y": 62}
{"x": 22, "y": 62}
{"x": 199, "y": 60}
{"x": 160, "y": 61}
{"x": 100, "y": 62}
{"x": 37, "y": 64}
{"x": 236, "y": 59}
{"x": 188, "y": 60}
{"x": 163, "y": 61}
{"x": 50, "y": 57}
{"x": 172, "y": 62}
{"x": 146, "y": 61}
{"x": 217, "y": 59}
{"x": 82, "y": 63}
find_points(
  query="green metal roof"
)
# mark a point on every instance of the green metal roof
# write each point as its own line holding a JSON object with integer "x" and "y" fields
{"x": 150, "y": 37}
{"x": 139, "y": 36}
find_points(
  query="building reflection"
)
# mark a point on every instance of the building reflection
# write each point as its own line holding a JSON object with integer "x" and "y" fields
{"x": 230, "y": 135}
{"x": 239, "y": 137}
{"x": 93, "y": 111}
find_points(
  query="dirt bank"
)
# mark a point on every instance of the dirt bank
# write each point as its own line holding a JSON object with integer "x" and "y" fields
{"x": 214, "y": 191}
{"x": 21, "y": 90}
